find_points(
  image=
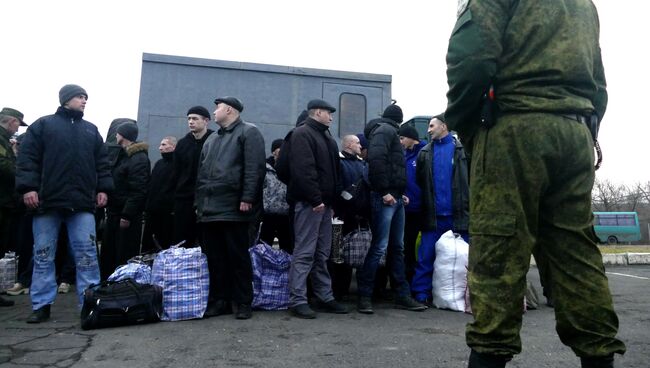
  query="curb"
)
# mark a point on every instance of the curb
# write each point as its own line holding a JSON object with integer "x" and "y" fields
{"x": 619, "y": 259}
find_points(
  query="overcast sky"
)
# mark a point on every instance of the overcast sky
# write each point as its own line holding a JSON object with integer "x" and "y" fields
{"x": 99, "y": 45}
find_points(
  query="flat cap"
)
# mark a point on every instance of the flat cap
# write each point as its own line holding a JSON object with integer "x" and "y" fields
{"x": 14, "y": 113}
{"x": 230, "y": 101}
{"x": 320, "y": 104}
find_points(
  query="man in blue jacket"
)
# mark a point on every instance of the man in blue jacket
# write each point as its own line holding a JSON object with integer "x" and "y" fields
{"x": 442, "y": 175}
{"x": 63, "y": 175}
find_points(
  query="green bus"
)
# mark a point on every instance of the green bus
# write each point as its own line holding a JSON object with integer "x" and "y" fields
{"x": 617, "y": 227}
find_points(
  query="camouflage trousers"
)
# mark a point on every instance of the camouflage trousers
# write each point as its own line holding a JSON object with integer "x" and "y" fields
{"x": 531, "y": 180}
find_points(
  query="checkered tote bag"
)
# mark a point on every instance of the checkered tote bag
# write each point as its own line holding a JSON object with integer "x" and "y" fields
{"x": 137, "y": 271}
{"x": 355, "y": 246}
{"x": 183, "y": 275}
{"x": 270, "y": 277}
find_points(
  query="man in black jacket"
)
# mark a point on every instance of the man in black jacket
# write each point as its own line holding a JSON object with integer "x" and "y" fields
{"x": 63, "y": 174}
{"x": 387, "y": 174}
{"x": 228, "y": 198}
{"x": 312, "y": 189}
{"x": 186, "y": 163}
{"x": 124, "y": 223}
{"x": 160, "y": 198}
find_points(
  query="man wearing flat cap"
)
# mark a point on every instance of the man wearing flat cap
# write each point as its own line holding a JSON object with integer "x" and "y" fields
{"x": 10, "y": 121}
{"x": 63, "y": 175}
{"x": 312, "y": 189}
{"x": 228, "y": 199}
{"x": 186, "y": 163}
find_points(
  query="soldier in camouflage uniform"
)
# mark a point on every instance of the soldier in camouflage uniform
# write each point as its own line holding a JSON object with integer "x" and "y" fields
{"x": 532, "y": 170}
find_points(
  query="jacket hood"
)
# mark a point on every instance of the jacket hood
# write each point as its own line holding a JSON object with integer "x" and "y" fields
{"x": 137, "y": 147}
{"x": 374, "y": 123}
{"x": 112, "y": 129}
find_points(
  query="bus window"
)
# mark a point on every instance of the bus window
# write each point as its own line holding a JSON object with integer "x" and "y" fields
{"x": 352, "y": 113}
{"x": 616, "y": 227}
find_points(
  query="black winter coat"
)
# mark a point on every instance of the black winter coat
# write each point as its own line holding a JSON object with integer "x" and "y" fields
{"x": 386, "y": 167}
{"x": 186, "y": 164}
{"x": 314, "y": 165}
{"x": 459, "y": 188}
{"x": 131, "y": 177}
{"x": 162, "y": 186}
{"x": 64, "y": 159}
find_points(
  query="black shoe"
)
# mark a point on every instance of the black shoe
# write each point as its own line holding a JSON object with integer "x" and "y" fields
{"x": 6, "y": 303}
{"x": 303, "y": 311}
{"x": 218, "y": 308}
{"x": 408, "y": 303}
{"x": 478, "y": 360}
{"x": 364, "y": 305}
{"x": 333, "y": 307}
{"x": 244, "y": 311}
{"x": 599, "y": 362}
{"x": 40, "y": 315}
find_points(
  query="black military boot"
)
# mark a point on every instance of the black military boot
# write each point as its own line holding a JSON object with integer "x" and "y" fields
{"x": 598, "y": 362}
{"x": 478, "y": 360}
{"x": 42, "y": 314}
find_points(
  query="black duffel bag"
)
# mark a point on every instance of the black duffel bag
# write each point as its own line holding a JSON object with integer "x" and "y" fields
{"x": 120, "y": 303}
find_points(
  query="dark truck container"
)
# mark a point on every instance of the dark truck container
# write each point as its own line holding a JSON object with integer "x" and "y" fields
{"x": 273, "y": 96}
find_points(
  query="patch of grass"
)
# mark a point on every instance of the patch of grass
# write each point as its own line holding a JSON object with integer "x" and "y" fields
{"x": 611, "y": 249}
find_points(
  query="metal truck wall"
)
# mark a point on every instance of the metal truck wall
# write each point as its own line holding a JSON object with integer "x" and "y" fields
{"x": 273, "y": 96}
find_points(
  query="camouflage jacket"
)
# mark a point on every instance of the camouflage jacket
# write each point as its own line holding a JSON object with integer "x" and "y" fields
{"x": 540, "y": 56}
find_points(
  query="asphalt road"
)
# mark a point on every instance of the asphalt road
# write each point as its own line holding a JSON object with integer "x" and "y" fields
{"x": 389, "y": 338}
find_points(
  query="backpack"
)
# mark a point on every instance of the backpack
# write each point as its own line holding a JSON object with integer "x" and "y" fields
{"x": 282, "y": 168}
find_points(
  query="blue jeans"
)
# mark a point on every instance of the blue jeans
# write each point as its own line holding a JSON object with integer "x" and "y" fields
{"x": 81, "y": 237}
{"x": 387, "y": 226}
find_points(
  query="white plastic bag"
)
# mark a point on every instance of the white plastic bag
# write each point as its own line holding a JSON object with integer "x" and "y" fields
{"x": 450, "y": 272}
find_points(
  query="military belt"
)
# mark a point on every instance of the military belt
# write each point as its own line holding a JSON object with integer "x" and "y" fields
{"x": 577, "y": 117}
{"x": 592, "y": 124}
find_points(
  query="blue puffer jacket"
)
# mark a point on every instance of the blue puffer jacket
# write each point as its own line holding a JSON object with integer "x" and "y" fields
{"x": 412, "y": 188}
{"x": 64, "y": 159}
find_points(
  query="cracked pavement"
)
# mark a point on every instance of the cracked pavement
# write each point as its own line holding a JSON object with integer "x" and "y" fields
{"x": 389, "y": 338}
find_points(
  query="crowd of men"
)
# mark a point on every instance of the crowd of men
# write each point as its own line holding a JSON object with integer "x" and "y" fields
{"x": 526, "y": 94}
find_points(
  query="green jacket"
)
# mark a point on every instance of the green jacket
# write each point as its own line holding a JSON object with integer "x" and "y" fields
{"x": 7, "y": 171}
{"x": 540, "y": 56}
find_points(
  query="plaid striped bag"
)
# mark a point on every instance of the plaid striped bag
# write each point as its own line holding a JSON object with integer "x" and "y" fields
{"x": 183, "y": 275}
{"x": 270, "y": 277}
{"x": 137, "y": 271}
{"x": 355, "y": 247}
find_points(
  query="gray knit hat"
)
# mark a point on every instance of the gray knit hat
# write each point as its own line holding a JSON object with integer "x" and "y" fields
{"x": 69, "y": 91}
{"x": 128, "y": 131}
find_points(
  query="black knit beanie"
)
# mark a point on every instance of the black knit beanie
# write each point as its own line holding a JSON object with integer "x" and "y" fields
{"x": 276, "y": 144}
{"x": 199, "y": 110}
{"x": 407, "y": 130}
{"x": 128, "y": 131}
{"x": 394, "y": 113}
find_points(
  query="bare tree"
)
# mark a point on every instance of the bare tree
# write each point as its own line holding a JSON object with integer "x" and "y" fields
{"x": 644, "y": 191}
{"x": 607, "y": 196}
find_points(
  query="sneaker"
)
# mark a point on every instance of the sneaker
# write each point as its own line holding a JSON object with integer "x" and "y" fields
{"x": 408, "y": 303}
{"x": 364, "y": 305}
{"x": 40, "y": 315}
{"x": 64, "y": 288}
{"x": 218, "y": 308}
{"x": 333, "y": 307}
{"x": 303, "y": 311}
{"x": 244, "y": 311}
{"x": 17, "y": 289}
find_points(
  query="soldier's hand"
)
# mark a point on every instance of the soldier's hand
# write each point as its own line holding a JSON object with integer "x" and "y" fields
{"x": 245, "y": 206}
{"x": 31, "y": 199}
{"x": 102, "y": 198}
{"x": 319, "y": 208}
{"x": 124, "y": 223}
{"x": 389, "y": 200}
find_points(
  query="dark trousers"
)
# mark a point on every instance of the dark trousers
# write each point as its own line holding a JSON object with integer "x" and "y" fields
{"x": 185, "y": 226}
{"x": 277, "y": 226}
{"x": 5, "y": 231}
{"x": 226, "y": 243}
{"x": 412, "y": 228}
{"x": 119, "y": 244}
{"x": 160, "y": 225}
